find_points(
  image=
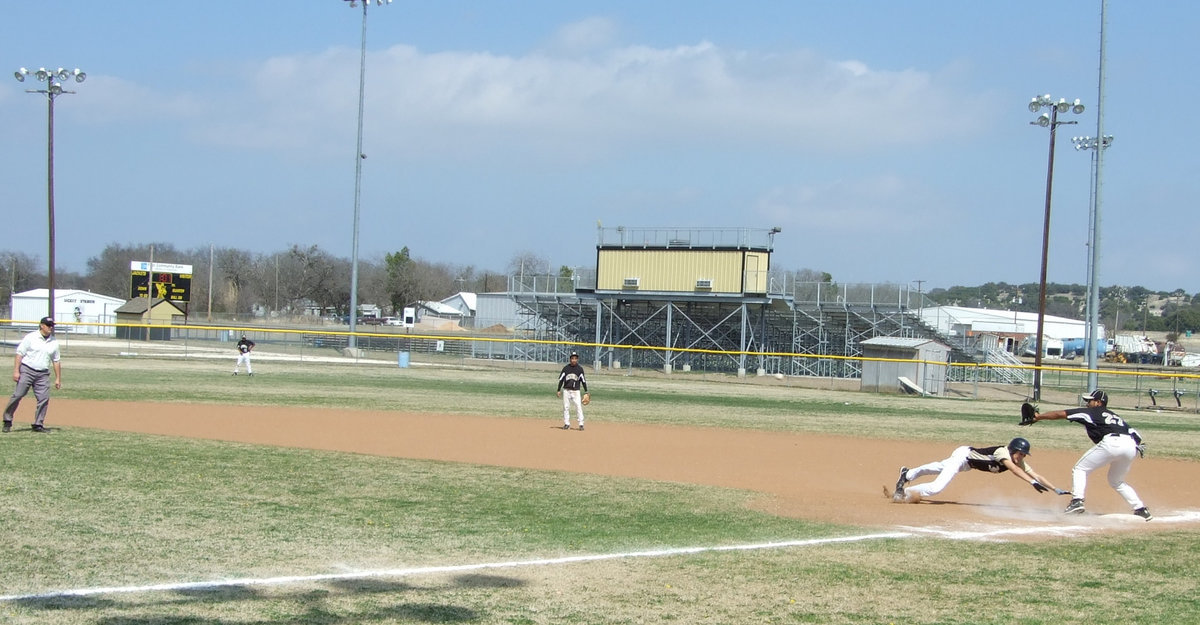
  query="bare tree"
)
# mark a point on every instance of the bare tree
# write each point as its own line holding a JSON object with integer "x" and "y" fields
{"x": 18, "y": 273}
{"x": 234, "y": 272}
{"x": 526, "y": 263}
{"x": 108, "y": 273}
{"x": 312, "y": 275}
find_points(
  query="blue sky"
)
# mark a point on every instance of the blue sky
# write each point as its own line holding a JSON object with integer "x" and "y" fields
{"x": 889, "y": 140}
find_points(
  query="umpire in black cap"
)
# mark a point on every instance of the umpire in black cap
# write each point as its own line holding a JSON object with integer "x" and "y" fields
{"x": 37, "y": 354}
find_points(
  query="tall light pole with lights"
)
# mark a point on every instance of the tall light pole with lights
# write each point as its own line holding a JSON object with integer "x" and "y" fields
{"x": 1104, "y": 140}
{"x": 1093, "y": 302}
{"x": 352, "y": 341}
{"x": 1047, "y": 120}
{"x": 54, "y": 80}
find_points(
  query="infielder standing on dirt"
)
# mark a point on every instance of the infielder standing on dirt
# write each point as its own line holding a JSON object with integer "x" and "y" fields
{"x": 997, "y": 459}
{"x": 570, "y": 381}
{"x": 244, "y": 347}
{"x": 1115, "y": 445}
{"x": 37, "y": 353}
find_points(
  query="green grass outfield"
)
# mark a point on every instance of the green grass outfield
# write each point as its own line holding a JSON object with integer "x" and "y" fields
{"x": 86, "y": 508}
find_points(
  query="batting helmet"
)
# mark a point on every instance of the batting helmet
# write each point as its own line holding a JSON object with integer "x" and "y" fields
{"x": 1096, "y": 395}
{"x": 1018, "y": 444}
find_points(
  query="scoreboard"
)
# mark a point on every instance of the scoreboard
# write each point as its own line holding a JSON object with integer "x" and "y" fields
{"x": 171, "y": 282}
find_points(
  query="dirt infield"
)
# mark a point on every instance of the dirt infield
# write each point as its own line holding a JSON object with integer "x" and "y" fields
{"x": 824, "y": 478}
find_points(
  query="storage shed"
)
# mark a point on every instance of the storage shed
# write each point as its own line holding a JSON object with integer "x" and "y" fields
{"x": 912, "y": 365}
{"x": 162, "y": 313}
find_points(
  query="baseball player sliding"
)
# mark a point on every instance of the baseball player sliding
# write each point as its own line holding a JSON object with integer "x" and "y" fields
{"x": 570, "y": 381}
{"x": 1115, "y": 445}
{"x": 997, "y": 459}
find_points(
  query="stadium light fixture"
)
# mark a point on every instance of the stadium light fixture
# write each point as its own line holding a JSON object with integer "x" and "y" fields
{"x": 1050, "y": 121}
{"x": 1092, "y": 334}
{"x": 352, "y": 340}
{"x": 53, "y": 80}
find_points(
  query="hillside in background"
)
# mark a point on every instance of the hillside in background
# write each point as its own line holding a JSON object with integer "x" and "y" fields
{"x": 1127, "y": 309}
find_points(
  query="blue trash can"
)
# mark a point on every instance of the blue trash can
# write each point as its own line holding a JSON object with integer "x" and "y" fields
{"x": 402, "y": 359}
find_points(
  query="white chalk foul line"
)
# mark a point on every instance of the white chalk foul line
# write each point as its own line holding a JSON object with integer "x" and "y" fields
{"x": 1186, "y": 516}
{"x": 461, "y": 568}
{"x": 1064, "y": 530}
{"x": 1181, "y": 516}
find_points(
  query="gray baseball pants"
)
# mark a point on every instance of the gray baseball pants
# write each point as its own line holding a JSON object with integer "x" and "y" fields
{"x": 40, "y": 382}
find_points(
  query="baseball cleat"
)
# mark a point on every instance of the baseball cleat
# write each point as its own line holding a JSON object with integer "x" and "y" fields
{"x": 1144, "y": 513}
{"x": 580, "y": 427}
{"x": 1075, "y": 507}
{"x": 898, "y": 495}
{"x": 7, "y": 426}
{"x": 37, "y": 428}
{"x": 566, "y": 426}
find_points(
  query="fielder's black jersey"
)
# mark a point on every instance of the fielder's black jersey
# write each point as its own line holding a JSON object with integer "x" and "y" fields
{"x": 1101, "y": 422}
{"x": 991, "y": 459}
{"x": 245, "y": 345}
{"x": 572, "y": 378}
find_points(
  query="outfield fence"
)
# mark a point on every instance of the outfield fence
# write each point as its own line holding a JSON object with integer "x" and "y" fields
{"x": 1140, "y": 385}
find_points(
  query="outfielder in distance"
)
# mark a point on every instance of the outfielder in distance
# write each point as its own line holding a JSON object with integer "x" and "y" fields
{"x": 1115, "y": 445}
{"x": 570, "y": 381}
{"x": 997, "y": 459}
{"x": 244, "y": 347}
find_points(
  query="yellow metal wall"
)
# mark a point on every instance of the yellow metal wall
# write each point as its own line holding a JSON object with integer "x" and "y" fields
{"x": 678, "y": 270}
{"x": 757, "y": 264}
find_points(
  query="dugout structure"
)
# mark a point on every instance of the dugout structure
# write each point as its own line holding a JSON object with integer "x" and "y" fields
{"x": 706, "y": 299}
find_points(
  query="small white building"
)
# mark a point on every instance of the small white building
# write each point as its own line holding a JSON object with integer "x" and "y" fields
{"x": 463, "y": 301}
{"x": 75, "y": 311}
{"x": 913, "y": 365}
{"x": 1010, "y": 328}
{"x": 497, "y": 312}
{"x": 437, "y": 310}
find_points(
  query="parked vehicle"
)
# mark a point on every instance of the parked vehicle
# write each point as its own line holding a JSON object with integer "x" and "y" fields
{"x": 1131, "y": 348}
{"x": 1077, "y": 347}
{"x": 1051, "y": 347}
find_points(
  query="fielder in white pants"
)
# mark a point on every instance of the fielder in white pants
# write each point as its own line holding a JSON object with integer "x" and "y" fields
{"x": 572, "y": 398}
{"x": 244, "y": 347}
{"x": 571, "y": 381}
{"x": 1117, "y": 451}
{"x": 1115, "y": 445}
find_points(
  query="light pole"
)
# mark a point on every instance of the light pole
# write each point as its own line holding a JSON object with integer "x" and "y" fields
{"x": 1045, "y": 120}
{"x": 53, "y": 80}
{"x": 352, "y": 341}
{"x": 1093, "y": 301}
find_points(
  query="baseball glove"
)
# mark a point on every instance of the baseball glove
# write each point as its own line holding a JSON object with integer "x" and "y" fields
{"x": 587, "y": 399}
{"x": 1027, "y": 413}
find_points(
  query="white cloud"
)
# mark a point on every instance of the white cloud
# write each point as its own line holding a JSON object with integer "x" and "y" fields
{"x": 882, "y": 205}
{"x": 583, "y": 36}
{"x": 465, "y": 103}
